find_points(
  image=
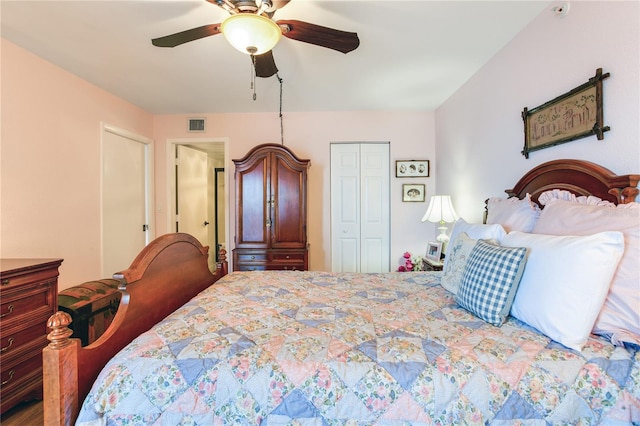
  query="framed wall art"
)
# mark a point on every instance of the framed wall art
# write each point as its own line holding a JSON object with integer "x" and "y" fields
{"x": 573, "y": 115}
{"x": 413, "y": 192}
{"x": 412, "y": 168}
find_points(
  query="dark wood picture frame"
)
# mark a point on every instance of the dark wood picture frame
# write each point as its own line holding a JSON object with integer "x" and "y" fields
{"x": 573, "y": 115}
{"x": 412, "y": 168}
{"x": 413, "y": 192}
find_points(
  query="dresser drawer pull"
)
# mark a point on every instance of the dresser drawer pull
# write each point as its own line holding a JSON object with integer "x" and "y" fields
{"x": 8, "y": 311}
{"x": 5, "y": 281}
{"x": 11, "y": 373}
{"x": 10, "y": 341}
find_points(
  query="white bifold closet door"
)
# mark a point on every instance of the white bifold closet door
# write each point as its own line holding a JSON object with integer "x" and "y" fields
{"x": 360, "y": 218}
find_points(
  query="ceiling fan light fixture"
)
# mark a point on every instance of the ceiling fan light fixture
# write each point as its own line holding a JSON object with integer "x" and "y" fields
{"x": 251, "y": 34}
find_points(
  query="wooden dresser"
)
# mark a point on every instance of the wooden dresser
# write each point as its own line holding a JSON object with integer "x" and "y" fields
{"x": 28, "y": 297}
{"x": 271, "y": 210}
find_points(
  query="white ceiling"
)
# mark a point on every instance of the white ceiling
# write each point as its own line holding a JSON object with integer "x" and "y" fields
{"x": 413, "y": 54}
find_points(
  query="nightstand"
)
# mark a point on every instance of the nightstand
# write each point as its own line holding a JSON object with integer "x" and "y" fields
{"x": 431, "y": 265}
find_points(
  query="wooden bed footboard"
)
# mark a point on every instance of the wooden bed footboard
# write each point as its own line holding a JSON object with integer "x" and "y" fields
{"x": 166, "y": 274}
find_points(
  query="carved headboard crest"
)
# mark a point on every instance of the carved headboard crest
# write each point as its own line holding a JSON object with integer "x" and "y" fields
{"x": 580, "y": 178}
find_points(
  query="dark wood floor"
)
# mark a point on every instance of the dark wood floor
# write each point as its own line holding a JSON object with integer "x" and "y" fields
{"x": 26, "y": 413}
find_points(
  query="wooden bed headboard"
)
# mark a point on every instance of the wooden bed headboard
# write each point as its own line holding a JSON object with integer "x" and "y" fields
{"x": 578, "y": 177}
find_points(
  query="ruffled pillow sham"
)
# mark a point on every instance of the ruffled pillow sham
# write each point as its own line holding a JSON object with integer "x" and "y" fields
{"x": 561, "y": 194}
{"x": 513, "y": 213}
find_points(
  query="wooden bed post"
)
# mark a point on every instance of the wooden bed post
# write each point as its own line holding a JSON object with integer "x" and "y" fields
{"x": 60, "y": 384}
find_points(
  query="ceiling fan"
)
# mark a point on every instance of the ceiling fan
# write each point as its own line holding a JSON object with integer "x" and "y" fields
{"x": 251, "y": 29}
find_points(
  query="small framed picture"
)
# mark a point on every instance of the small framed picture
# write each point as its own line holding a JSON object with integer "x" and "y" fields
{"x": 413, "y": 192}
{"x": 412, "y": 168}
{"x": 434, "y": 250}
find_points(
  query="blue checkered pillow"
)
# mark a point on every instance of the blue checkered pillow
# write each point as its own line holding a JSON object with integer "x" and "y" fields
{"x": 490, "y": 281}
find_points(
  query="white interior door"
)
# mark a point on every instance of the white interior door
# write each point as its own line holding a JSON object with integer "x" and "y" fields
{"x": 360, "y": 221}
{"x": 345, "y": 207}
{"x": 124, "y": 200}
{"x": 192, "y": 199}
{"x": 374, "y": 211}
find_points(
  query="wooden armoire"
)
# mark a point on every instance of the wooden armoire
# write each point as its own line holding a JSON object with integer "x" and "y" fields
{"x": 271, "y": 210}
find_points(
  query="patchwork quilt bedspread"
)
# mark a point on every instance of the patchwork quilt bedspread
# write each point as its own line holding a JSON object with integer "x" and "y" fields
{"x": 317, "y": 348}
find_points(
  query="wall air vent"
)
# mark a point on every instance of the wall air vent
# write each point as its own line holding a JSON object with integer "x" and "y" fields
{"x": 196, "y": 125}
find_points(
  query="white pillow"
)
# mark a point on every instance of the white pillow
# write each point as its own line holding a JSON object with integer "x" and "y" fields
{"x": 620, "y": 315}
{"x": 453, "y": 272}
{"x": 475, "y": 231}
{"x": 513, "y": 213}
{"x": 565, "y": 282}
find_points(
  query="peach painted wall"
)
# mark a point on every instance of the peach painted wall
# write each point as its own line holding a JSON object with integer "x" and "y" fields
{"x": 479, "y": 130}
{"x": 50, "y": 162}
{"x": 411, "y": 136}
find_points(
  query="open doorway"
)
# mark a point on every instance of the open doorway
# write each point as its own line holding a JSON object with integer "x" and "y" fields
{"x": 202, "y": 155}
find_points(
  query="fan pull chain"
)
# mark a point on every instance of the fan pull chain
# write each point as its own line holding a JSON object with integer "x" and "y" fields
{"x": 281, "y": 124}
{"x": 253, "y": 76}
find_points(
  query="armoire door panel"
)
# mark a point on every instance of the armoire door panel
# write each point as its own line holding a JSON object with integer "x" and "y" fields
{"x": 253, "y": 216}
{"x": 289, "y": 207}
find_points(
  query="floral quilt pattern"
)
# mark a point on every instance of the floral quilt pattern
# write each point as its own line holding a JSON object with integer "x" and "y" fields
{"x": 318, "y": 348}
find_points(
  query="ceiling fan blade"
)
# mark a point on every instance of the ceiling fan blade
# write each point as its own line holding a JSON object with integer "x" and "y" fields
{"x": 341, "y": 41}
{"x": 182, "y": 37}
{"x": 265, "y": 65}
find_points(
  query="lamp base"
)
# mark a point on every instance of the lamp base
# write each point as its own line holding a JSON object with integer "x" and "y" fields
{"x": 442, "y": 237}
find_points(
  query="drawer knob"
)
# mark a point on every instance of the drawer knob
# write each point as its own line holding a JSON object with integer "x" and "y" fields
{"x": 9, "y": 310}
{"x": 5, "y": 281}
{"x": 287, "y": 256}
{"x": 253, "y": 257}
{"x": 10, "y": 341}
{"x": 11, "y": 373}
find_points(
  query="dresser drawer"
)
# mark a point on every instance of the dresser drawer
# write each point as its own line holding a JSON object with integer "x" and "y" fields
{"x": 21, "y": 379}
{"x": 17, "y": 272}
{"x": 16, "y": 343}
{"x": 20, "y": 305}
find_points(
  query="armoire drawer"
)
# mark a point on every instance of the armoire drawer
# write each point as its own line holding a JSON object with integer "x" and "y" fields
{"x": 287, "y": 256}
{"x": 289, "y": 266}
{"x": 250, "y": 267}
{"x": 251, "y": 257}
